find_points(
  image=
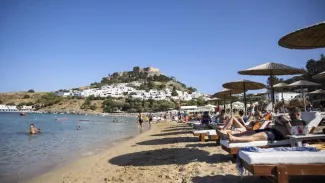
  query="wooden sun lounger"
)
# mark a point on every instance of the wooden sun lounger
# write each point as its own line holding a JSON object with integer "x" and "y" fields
{"x": 203, "y": 134}
{"x": 281, "y": 171}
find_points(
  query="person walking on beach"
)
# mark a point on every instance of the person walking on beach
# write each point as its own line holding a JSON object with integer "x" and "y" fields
{"x": 150, "y": 118}
{"x": 140, "y": 120}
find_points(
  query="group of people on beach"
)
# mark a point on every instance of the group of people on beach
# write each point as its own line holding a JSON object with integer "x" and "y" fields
{"x": 142, "y": 117}
{"x": 245, "y": 128}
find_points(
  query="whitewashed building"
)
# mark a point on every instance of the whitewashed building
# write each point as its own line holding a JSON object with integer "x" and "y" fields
{"x": 8, "y": 108}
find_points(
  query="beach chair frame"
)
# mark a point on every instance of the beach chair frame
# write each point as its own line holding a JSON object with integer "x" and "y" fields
{"x": 280, "y": 172}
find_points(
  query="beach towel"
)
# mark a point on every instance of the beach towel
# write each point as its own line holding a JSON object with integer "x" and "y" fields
{"x": 276, "y": 149}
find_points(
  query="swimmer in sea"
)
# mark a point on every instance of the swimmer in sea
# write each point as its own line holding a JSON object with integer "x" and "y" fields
{"x": 78, "y": 128}
{"x": 33, "y": 130}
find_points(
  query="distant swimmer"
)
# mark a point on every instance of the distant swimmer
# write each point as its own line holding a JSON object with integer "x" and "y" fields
{"x": 78, "y": 128}
{"x": 115, "y": 120}
{"x": 33, "y": 130}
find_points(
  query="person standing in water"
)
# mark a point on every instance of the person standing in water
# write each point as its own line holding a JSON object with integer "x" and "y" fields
{"x": 140, "y": 120}
{"x": 33, "y": 130}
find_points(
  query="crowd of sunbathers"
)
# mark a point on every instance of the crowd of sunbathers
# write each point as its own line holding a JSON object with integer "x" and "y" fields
{"x": 241, "y": 128}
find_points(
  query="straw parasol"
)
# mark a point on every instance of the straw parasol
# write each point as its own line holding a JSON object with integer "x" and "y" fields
{"x": 320, "y": 91}
{"x": 272, "y": 69}
{"x": 244, "y": 85}
{"x": 301, "y": 84}
{"x": 307, "y": 38}
{"x": 319, "y": 76}
{"x": 226, "y": 94}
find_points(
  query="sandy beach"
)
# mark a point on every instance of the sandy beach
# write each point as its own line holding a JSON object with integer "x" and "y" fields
{"x": 167, "y": 153}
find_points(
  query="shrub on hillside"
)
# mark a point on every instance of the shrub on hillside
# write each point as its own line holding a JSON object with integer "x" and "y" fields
{"x": 49, "y": 99}
{"x": 93, "y": 107}
{"x": 26, "y": 96}
{"x": 31, "y": 91}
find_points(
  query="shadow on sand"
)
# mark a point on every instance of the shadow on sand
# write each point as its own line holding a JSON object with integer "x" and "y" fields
{"x": 177, "y": 129}
{"x": 167, "y": 156}
{"x": 206, "y": 144}
{"x": 171, "y": 140}
{"x": 172, "y": 133}
{"x": 252, "y": 179}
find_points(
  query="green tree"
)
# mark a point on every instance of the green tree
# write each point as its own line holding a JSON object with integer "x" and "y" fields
{"x": 31, "y": 91}
{"x": 174, "y": 92}
{"x": 26, "y": 96}
{"x": 161, "y": 87}
{"x": 29, "y": 103}
{"x": 191, "y": 90}
{"x": 1, "y": 102}
{"x": 151, "y": 85}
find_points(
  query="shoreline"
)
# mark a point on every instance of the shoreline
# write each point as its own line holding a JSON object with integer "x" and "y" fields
{"x": 73, "y": 164}
{"x": 166, "y": 153}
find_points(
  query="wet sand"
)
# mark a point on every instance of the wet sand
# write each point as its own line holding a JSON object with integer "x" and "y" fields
{"x": 167, "y": 153}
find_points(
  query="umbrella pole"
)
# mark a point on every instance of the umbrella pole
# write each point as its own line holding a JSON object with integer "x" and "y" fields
{"x": 283, "y": 100}
{"x": 272, "y": 92}
{"x": 230, "y": 103}
{"x": 303, "y": 98}
{"x": 245, "y": 105}
{"x": 224, "y": 105}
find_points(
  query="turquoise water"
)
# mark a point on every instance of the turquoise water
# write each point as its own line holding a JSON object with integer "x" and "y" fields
{"x": 23, "y": 156}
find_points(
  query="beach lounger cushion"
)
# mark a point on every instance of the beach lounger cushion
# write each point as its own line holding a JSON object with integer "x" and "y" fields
{"x": 212, "y": 132}
{"x": 197, "y": 132}
{"x": 289, "y": 157}
{"x": 226, "y": 143}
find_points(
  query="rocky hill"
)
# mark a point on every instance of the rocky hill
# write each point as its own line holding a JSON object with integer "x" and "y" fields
{"x": 140, "y": 78}
{"x": 148, "y": 78}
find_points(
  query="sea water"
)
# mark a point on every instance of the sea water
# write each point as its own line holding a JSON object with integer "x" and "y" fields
{"x": 23, "y": 156}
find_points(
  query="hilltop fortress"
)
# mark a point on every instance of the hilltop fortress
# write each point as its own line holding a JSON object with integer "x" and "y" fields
{"x": 149, "y": 70}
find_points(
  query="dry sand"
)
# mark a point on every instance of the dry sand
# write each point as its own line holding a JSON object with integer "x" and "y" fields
{"x": 167, "y": 154}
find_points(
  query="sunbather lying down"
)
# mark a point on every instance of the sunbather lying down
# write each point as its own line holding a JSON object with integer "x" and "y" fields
{"x": 277, "y": 132}
{"x": 240, "y": 124}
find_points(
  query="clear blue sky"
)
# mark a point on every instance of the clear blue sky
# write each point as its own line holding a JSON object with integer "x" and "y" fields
{"x": 53, "y": 44}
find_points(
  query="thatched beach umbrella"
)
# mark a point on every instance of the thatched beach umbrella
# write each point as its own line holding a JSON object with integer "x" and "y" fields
{"x": 272, "y": 69}
{"x": 226, "y": 94}
{"x": 320, "y": 91}
{"x": 307, "y": 38}
{"x": 244, "y": 85}
{"x": 319, "y": 76}
{"x": 301, "y": 84}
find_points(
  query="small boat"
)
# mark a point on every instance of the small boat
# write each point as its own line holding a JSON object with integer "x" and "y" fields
{"x": 22, "y": 114}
